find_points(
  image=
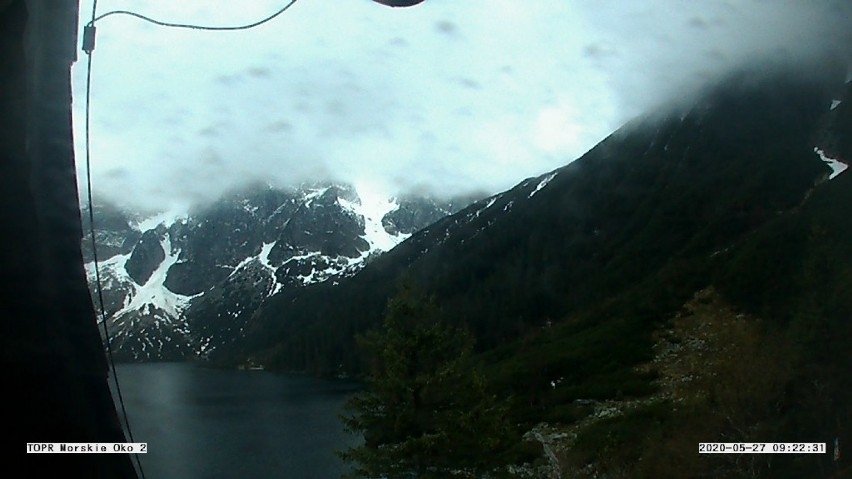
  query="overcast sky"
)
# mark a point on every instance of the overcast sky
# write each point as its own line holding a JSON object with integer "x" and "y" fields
{"x": 449, "y": 96}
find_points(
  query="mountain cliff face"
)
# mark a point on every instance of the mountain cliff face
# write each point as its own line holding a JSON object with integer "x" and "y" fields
{"x": 697, "y": 235}
{"x": 687, "y": 280}
{"x": 656, "y": 203}
{"x": 178, "y": 286}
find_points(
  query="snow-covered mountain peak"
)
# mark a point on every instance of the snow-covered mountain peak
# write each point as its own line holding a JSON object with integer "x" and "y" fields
{"x": 180, "y": 284}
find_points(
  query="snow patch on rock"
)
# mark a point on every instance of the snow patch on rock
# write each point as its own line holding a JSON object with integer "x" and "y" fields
{"x": 837, "y": 166}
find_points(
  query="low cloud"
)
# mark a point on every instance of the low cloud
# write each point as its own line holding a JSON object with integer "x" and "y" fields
{"x": 449, "y": 97}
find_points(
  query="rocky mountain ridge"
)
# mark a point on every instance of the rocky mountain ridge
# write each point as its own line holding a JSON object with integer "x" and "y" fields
{"x": 179, "y": 284}
{"x": 614, "y": 299}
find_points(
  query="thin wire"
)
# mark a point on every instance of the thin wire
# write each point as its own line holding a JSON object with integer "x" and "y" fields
{"x": 107, "y": 339}
{"x": 191, "y": 26}
{"x": 91, "y": 23}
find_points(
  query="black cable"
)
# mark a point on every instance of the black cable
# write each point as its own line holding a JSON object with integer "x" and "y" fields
{"x": 190, "y": 26}
{"x": 89, "y": 47}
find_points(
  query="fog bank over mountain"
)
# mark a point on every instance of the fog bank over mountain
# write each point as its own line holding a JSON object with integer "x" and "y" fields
{"x": 446, "y": 97}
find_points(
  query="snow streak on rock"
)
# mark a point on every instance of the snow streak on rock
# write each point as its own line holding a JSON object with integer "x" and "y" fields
{"x": 543, "y": 183}
{"x": 112, "y": 272}
{"x": 153, "y": 293}
{"x": 373, "y": 208}
{"x": 837, "y": 166}
{"x": 314, "y": 194}
{"x": 145, "y": 320}
{"x": 489, "y": 204}
{"x": 263, "y": 257}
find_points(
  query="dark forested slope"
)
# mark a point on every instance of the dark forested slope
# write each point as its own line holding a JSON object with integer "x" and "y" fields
{"x": 649, "y": 209}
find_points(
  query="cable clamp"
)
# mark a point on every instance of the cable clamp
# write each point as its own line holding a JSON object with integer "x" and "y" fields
{"x": 88, "y": 38}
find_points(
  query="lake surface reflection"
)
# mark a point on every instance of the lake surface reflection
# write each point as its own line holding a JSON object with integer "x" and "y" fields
{"x": 209, "y": 423}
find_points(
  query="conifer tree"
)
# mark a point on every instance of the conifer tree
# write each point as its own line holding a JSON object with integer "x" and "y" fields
{"x": 426, "y": 412}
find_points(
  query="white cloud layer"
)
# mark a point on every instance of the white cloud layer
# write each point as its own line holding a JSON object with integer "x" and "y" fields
{"x": 448, "y": 96}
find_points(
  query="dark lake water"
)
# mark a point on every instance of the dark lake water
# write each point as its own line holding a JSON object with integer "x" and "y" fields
{"x": 208, "y": 423}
